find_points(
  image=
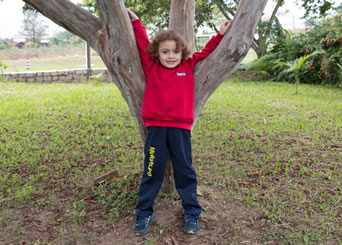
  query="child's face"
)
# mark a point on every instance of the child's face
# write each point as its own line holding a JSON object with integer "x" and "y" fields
{"x": 169, "y": 56}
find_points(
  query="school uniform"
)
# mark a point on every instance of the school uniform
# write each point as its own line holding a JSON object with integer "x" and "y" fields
{"x": 168, "y": 113}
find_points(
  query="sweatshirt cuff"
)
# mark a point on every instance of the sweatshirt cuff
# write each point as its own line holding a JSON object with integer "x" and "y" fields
{"x": 136, "y": 22}
{"x": 219, "y": 35}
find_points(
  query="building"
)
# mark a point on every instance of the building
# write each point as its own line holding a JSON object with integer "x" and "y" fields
{"x": 20, "y": 42}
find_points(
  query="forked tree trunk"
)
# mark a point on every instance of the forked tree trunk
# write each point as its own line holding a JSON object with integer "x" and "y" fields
{"x": 111, "y": 36}
{"x": 182, "y": 16}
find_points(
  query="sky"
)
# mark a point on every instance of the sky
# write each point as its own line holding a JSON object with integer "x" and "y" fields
{"x": 11, "y": 17}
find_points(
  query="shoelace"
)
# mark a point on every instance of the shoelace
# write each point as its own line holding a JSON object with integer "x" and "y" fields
{"x": 192, "y": 219}
{"x": 143, "y": 219}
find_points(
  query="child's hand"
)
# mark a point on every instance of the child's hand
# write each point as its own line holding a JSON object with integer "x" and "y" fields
{"x": 224, "y": 26}
{"x": 132, "y": 15}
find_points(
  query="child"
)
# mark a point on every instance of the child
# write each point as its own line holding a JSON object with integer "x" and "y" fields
{"x": 168, "y": 113}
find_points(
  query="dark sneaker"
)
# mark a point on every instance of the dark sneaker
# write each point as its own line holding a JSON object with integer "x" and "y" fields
{"x": 142, "y": 224}
{"x": 191, "y": 224}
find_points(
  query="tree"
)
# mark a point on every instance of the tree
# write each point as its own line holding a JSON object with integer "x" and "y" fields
{"x": 33, "y": 26}
{"x": 317, "y": 7}
{"x": 111, "y": 36}
{"x": 64, "y": 38}
{"x": 5, "y": 44}
{"x": 265, "y": 29}
{"x": 157, "y": 11}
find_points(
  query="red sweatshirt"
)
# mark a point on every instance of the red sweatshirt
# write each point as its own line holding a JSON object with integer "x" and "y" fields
{"x": 169, "y": 94}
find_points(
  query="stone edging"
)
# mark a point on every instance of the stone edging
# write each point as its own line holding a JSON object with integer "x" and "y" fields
{"x": 62, "y": 76}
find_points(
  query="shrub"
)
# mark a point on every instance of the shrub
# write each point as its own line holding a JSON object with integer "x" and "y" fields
{"x": 5, "y": 44}
{"x": 3, "y": 67}
{"x": 324, "y": 38}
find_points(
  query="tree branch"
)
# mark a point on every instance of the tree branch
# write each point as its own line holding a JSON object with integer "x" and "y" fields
{"x": 273, "y": 18}
{"x": 275, "y": 10}
{"x": 73, "y": 18}
{"x": 210, "y": 73}
{"x": 255, "y": 45}
{"x": 118, "y": 49}
{"x": 223, "y": 9}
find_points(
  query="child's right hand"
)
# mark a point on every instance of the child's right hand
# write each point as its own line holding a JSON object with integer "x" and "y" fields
{"x": 132, "y": 15}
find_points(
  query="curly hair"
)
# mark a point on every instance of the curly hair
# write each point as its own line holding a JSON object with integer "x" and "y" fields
{"x": 164, "y": 35}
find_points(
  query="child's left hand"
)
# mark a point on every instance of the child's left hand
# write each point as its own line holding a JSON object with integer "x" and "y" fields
{"x": 132, "y": 15}
{"x": 225, "y": 26}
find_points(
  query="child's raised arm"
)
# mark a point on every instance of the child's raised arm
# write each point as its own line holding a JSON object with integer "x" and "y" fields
{"x": 225, "y": 26}
{"x": 142, "y": 41}
{"x": 212, "y": 44}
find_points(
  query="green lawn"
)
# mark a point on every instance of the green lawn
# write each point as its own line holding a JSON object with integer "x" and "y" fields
{"x": 257, "y": 144}
{"x": 45, "y": 63}
{"x": 52, "y": 63}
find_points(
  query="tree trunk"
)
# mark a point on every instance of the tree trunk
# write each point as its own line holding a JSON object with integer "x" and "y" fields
{"x": 258, "y": 45}
{"x": 182, "y": 16}
{"x": 111, "y": 35}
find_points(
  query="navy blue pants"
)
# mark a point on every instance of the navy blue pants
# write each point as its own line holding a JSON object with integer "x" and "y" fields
{"x": 160, "y": 141}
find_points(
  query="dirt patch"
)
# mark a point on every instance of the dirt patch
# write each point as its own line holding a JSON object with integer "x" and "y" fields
{"x": 222, "y": 221}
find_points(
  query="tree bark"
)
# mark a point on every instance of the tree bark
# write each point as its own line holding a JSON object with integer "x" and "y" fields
{"x": 259, "y": 45}
{"x": 111, "y": 35}
{"x": 118, "y": 50}
{"x": 182, "y": 17}
{"x": 213, "y": 70}
{"x": 73, "y": 18}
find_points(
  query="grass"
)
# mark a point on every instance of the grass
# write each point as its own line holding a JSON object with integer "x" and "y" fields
{"x": 52, "y": 63}
{"x": 279, "y": 152}
{"x": 43, "y": 59}
{"x": 52, "y": 58}
{"x": 257, "y": 143}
